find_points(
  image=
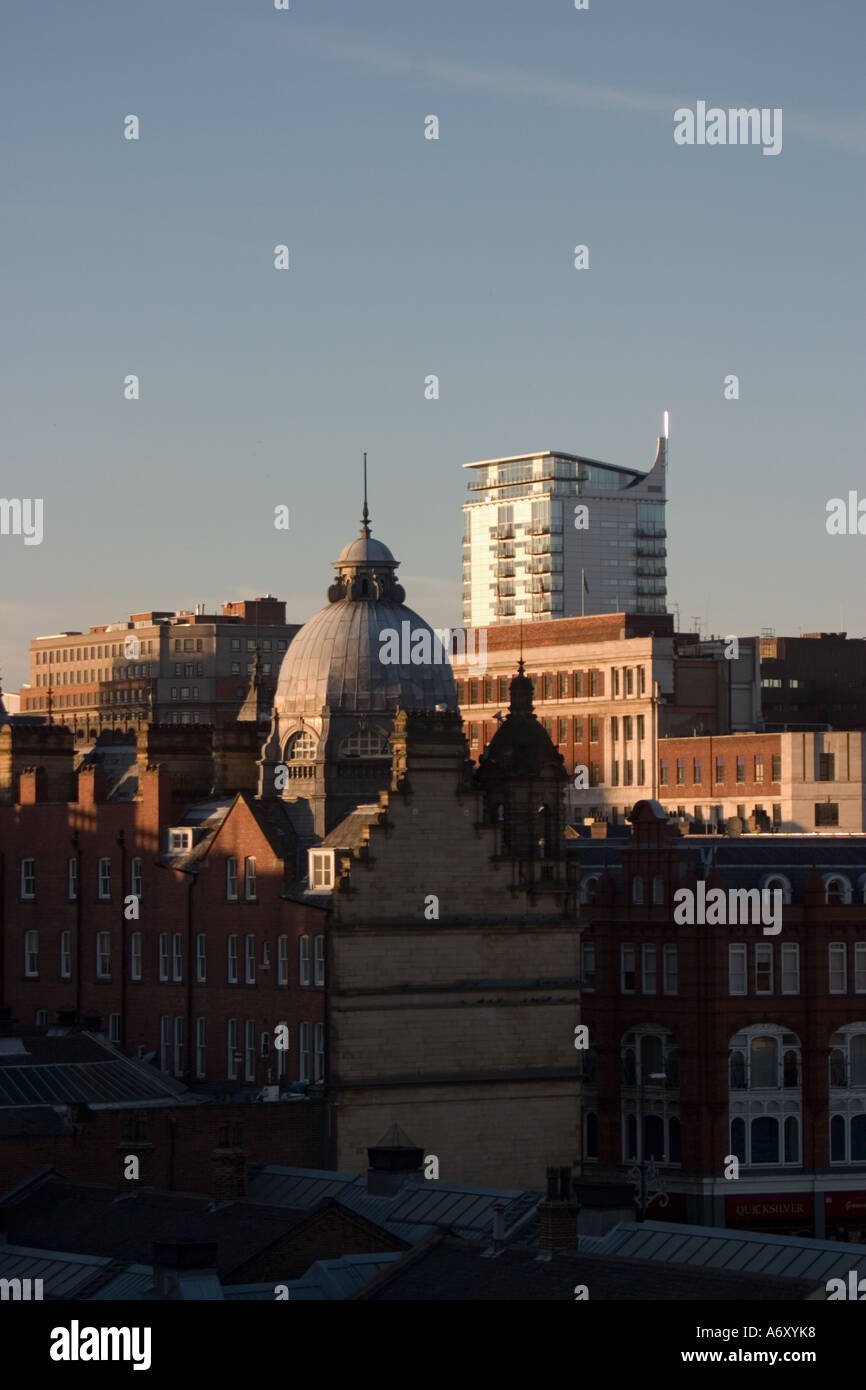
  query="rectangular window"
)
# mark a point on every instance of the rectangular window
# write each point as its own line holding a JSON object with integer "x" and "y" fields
{"x": 641, "y": 772}
{"x": 473, "y": 735}
{"x": 103, "y": 955}
{"x": 614, "y": 729}
{"x": 232, "y": 879}
{"x": 250, "y": 960}
{"x": 579, "y": 684}
{"x": 587, "y": 965}
{"x": 164, "y": 1042}
{"x": 563, "y": 685}
{"x": 663, "y": 772}
{"x": 31, "y": 954}
{"x": 282, "y": 960}
{"x": 629, "y": 680}
{"x": 28, "y": 878}
{"x": 319, "y": 960}
{"x": 628, "y": 777}
{"x": 563, "y": 731}
{"x": 720, "y": 769}
{"x": 627, "y": 727}
{"x": 177, "y": 957}
{"x": 741, "y": 769}
{"x": 791, "y": 968}
{"x": 201, "y": 957}
{"x": 578, "y": 729}
{"x": 594, "y": 774}
{"x": 681, "y": 772}
{"x": 777, "y": 813}
{"x": 764, "y": 968}
{"x": 826, "y": 813}
{"x": 777, "y": 767}
{"x": 250, "y": 1050}
{"x": 232, "y": 960}
{"x": 135, "y": 877}
{"x": 547, "y": 686}
{"x": 304, "y": 960}
{"x": 232, "y": 1049}
{"x": 860, "y": 967}
{"x": 178, "y": 1047}
{"x": 614, "y": 673}
{"x": 649, "y": 970}
{"x": 838, "y": 967}
{"x": 593, "y": 731}
{"x": 697, "y": 771}
{"x": 319, "y": 1053}
{"x": 759, "y": 767}
{"x": 627, "y": 969}
{"x": 614, "y": 773}
{"x": 200, "y": 1049}
{"x": 826, "y": 767}
{"x": 135, "y": 955}
{"x": 66, "y": 955}
{"x": 669, "y": 965}
{"x": 104, "y": 879}
{"x": 503, "y": 694}
{"x": 163, "y": 955}
{"x": 594, "y": 683}
{"x": 304, "y": 1051}
{"x": 114, "y": 1028}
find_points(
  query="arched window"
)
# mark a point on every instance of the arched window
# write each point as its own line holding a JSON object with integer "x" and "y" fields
{"x": 658, "y": 888}
{"x": 765, "y": 1097}
{"x": 837, "y": 889}
{"x": 365, "y": 743}
{"x": 777, "y": 882}
{"x": 588, "y": 889}
{"x": 637, "y": 889}
{"x": 649, "y": 1094}
{"x": 301, "y": 748}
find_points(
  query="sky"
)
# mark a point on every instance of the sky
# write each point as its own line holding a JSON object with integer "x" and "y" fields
{"x": 411, "y": 257}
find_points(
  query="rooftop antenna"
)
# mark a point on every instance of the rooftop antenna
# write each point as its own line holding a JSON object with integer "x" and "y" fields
{"x": 365, "y": 517}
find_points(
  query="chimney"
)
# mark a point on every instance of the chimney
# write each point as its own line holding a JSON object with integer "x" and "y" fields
{"x": 393, "y": 1161}
{"x": 175, "y": 1260}
{"x": 229, "y": 1165}
{"x": 558, "y": 1213}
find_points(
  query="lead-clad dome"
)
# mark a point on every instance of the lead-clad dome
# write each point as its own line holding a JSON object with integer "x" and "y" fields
{"x": 336, "y": 660}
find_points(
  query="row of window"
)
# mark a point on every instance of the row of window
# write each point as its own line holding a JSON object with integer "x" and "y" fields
{"x": 740, "y": 760}
{"x": 762, "y": 1140}
{"x": 178, "y": 840}
{"x": 100, "y": 653}
{"x": 311, "y": 969}
{"x": 254, "y": 1052}
{"x": 650, "y": 957}
{"x": 97, "y": 675}
{"x": 837, "y": 888}
{"x": 764, "y": 980}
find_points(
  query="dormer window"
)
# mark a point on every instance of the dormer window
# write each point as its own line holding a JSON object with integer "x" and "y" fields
{"x": 179, "y": 839}
{"x": 321, "y": 869}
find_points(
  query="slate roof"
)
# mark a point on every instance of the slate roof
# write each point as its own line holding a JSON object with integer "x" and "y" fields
{"x": 325, "y": 1280}
{"x": 791, "y": 1257}
{"x": 445, "y": 1269}
{"x": 412, "y": 1213}
{"x": 60, "y": 1066}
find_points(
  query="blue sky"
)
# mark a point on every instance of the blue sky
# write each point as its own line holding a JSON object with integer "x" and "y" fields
{"x": 411, "y": 257}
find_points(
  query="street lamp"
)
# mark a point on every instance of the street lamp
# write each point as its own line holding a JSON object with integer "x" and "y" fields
{"x": 638, "y": 1175}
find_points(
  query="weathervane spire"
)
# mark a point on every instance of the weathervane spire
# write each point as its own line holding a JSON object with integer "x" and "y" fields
{"x": 365, "y": 516}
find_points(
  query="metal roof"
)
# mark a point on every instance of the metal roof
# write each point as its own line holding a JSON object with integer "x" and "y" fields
{"x": 67, "y": 1083}
{"x": 63, "y": 1275}
{"x": 324, "y": 1281}
{"x": 752, "y": 1252}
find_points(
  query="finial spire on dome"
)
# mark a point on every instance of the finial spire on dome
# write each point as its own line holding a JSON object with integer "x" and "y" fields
{"x": 365, "y": 516}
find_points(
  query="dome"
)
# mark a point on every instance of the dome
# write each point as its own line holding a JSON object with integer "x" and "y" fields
{"x": 365, "y": 550}
{"x": 335, "y": 660}
{"x": 521, "y": 746}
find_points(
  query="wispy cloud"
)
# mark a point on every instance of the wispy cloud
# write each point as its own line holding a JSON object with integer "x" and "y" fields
{"x": 499, "y": 81}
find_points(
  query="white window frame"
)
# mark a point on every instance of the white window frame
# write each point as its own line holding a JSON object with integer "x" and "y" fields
{"x": 860, "y": 967}
{"x": 250, "y": 879}
{"x": 135, "y": 955}
{"x": 303, "y": 961}
{"x": 321, "y": 869}
{"x": 177, "y": 957}
{"x": 318, "y": 960}
{"x": 670, "y": 972}
{"x": 232, "y": 879}
{"x": 103, "y": 872}
{"x": 250, "y": 1050}
{"x": 738, "y": 967}
{"x": 201, "y": 958}
{"x": 304, "y": 1052}
{"x": 838, "y": 948}
{"x": 624, "y": 950}
{"x": 232, "y": 959}
{"x": 318, "y": 1053}
{"x": 135, "y": 876}
{"x": 114, "y": 1028}
{"x": 649, "y": 968}
{"x": 164, "y": 956}
{"x": 282, "y": 960}
{"x": 66, "y": 955}
{"x": 31, "y": 954}
{"x": 791, "y": 967}
{"x": 72, "y": 878}
{"x": 763, "y": 964}
{"x": 103, "y": 955}
{"x": 27, "y": 881}
{"x": 164, "y": 1042}
{"x": 250, "y": 958}
{"x": 177, "y": 1049}
{"x": 232, "y": 1049}
{"x": 200, "y": 1048}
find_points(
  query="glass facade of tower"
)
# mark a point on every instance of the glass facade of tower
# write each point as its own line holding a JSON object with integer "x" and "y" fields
{"x": 553, "y": 535}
